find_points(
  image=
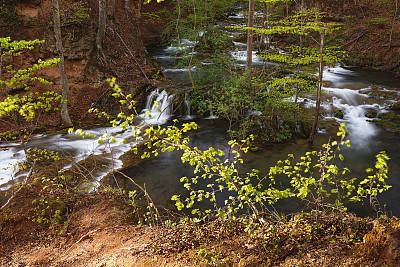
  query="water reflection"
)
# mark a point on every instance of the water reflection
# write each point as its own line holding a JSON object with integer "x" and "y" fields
{"x": 161, "y": 175}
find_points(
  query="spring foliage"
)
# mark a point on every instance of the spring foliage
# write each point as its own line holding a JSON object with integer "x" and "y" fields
{"x": 21, "y": 110}
{"x": 315, "y": 177}
{"x": 19, "y": 79}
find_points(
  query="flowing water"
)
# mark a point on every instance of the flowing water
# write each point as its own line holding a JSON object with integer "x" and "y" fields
{"x": 348, "y": 90}
{"x": 161, "y": 175}
{"x": 158, "y": 110}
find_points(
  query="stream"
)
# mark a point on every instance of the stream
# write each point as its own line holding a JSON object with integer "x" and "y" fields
{"x": 161, "y": 175}
{"x": 347, "y": 90}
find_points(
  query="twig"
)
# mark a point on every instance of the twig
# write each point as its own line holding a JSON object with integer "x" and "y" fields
{"x": 132, "y": 56}
{"x": 143, "y": 190}
{"x": 80, "y": 239}
{"x": 354, "y": 40}
{"x": 95, "y": 103}
{"x": 23, "y": 184}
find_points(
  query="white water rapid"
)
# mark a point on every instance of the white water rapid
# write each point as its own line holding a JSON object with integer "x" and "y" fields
{"x": 353, "y": 104}
{"x": 158, "y": 111}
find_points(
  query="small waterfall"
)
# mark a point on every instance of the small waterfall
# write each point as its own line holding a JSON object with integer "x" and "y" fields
{"x": 359, "y": 129}
{"x": 241, "y": 56}
{"x": 212, "y": 116}
{"x": 159, "y": 111}
{"x": 188, "y": 115}
{"x": 150, "y": 99}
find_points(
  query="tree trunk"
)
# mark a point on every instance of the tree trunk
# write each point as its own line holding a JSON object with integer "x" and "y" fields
{"x": 138, "y": 8}
{"x": 66, "y": 120}
{"x": 264, "y": 43}
{"x": 250, "y": 35}
{"x": 102, "y": 26}
{"x": 111, "y": 9}
{"x": 393, "y": 22}
{"x": 301, "y": 26}
{"x": 319, "y": 89}
{"x": 1, "y": 64}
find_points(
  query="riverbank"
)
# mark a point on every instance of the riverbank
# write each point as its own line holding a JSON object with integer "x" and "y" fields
{"x": 101, "y": 230}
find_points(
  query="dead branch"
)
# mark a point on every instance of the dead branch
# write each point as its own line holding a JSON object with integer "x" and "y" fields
{"x": 131, "y": 55}
{"x": 354, "y": 40}
{"x": 150, "y": 201}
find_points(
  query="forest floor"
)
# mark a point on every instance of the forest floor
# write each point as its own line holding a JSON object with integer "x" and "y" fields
{"x": 101, "y": 229}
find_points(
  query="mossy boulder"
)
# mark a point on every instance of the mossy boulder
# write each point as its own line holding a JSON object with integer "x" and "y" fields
{"x": 339, "y": 114}
{"x": 371, "y": 113}
{"x": 390, "y": 120}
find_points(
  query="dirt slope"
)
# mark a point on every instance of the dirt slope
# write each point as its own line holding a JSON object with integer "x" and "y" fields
{"x": 125, "y": 56}
{"x": 100, "y": 231}
{"x": 370, "y": 31}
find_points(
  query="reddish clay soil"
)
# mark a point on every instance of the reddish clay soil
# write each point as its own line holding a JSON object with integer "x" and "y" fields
{"x": 101, "y": 230}
{"x": 125, "y": 56}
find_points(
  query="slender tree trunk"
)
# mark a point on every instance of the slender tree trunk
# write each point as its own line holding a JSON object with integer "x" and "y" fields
{"x": 66, "y": 120}
{"x": 319, "y": 89}
{"x": 102, "y": 26}
{"x": 138, "y": 8}
{"x": 264, "y": 43}
{"x": 194, "y": 45}
{"x": 301, "y": 26}
{"x": 300, "y": 46}
{"x": 287, "y": 8}
{"x": 393, "y": 22}
{"x": 250, "y": 35}
{"x": 1, "y": 64}
{"x": 205, "y": 14}
{"x": 178, "y": 20}
{"x": 111, "y": 9}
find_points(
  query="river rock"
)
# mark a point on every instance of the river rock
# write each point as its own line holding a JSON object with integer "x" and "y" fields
{"x": 371, "y": 113}
{"x": 339, "y": 114}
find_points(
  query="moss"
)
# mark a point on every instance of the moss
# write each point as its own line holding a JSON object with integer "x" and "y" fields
{"x": 339, "y": 114}
{"x": 371, "y": 113}
{"x": 390, "y": 120}
{"x": 395, "y": 106}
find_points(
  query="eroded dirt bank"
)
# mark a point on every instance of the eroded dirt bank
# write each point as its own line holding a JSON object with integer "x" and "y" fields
{"x": 125, "y": 55}
{"x": 101, "y": 230}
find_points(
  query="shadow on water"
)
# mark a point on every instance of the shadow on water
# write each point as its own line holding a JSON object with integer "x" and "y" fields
{"x": 343, "y": 77}
{"x": 161, "y": 174}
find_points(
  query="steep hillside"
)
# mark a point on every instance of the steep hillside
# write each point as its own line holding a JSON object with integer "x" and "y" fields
{"x": 370, "y": 32}
{"x": 125, "y": 56}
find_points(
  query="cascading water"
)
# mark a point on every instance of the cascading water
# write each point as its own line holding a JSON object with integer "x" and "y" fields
{"x": 352, "y": 102}
{"x": 158, "y": 111}
{"x": 360, "y": 130}
{"x": 211, "y": 108}
{"x": 347, "y": 92}
{"x": 188, "y": 115}
{"x": 150, "y": 99}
